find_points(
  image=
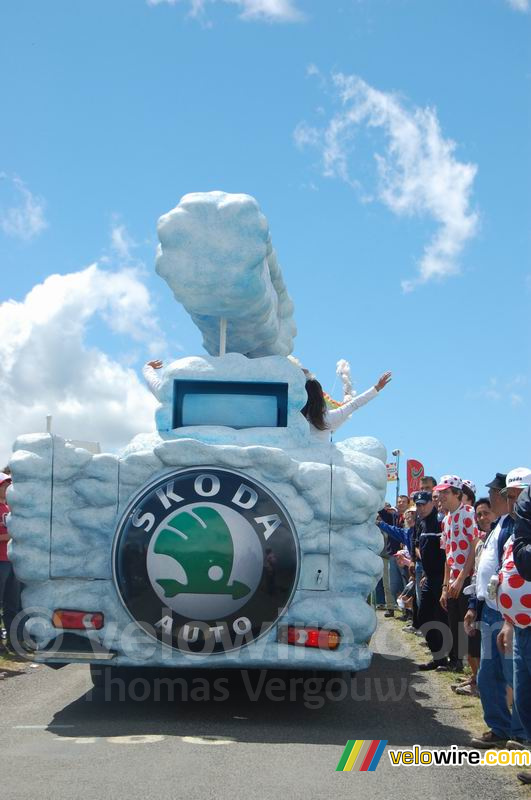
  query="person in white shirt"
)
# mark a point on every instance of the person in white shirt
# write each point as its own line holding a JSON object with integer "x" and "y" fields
{"x": 324, "y": 421}
{"x": 150, "y": 376}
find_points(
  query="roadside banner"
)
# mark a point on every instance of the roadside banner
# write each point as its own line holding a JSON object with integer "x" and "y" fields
{"x": 415, "y": 471}
{"x": 392, "y": 472}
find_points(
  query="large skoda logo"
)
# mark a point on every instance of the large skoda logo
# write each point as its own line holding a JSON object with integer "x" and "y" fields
{"x": 197, "y": 556}
{"x": 206, "y": 559}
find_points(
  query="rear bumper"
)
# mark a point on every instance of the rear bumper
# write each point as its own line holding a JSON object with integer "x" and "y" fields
{"x": 273, "y": 655}
{"x": 70, "y": 657}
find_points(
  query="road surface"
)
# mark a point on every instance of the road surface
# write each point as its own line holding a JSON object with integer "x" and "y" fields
{"x": 61, "y": 740}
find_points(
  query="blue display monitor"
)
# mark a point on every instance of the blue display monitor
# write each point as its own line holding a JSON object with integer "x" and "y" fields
{"x": 234, "y": 404}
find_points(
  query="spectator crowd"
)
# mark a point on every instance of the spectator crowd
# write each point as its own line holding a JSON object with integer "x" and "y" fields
{"x": 459, "y": 570}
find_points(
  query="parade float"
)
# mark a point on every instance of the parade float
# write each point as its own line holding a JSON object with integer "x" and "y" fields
{"x": 230, "y": 537}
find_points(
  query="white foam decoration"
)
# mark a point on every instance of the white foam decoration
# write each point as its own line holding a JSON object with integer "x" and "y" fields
{"x": 66, "y": 504}
{"x": 235, "y": 367}
{"x": 216, "y": 255}
{"x": 343, "y": 372}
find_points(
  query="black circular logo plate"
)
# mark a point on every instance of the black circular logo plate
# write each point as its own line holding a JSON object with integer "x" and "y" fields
{"x": 206, "y": 559}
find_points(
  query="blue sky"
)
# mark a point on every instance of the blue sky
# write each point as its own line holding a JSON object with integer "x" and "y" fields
{"x": 387, "y": 142}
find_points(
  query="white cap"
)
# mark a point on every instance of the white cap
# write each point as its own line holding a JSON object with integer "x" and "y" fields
{"x": 517, "y": 478}
{"x": 4, "y": 477}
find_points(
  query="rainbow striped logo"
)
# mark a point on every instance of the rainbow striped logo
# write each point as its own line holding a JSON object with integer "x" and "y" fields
{"x": 362, "y": 755}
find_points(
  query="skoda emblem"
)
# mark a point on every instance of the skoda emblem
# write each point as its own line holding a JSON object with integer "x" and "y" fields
{"x": 206, "y": 559}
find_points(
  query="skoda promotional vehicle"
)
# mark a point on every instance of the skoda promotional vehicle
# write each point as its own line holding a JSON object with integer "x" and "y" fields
{"x": 229, "y": 537}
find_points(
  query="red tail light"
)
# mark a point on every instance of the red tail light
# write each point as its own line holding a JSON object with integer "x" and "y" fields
{"x": 310, "y": 637}
{"x": 77, "y": 620}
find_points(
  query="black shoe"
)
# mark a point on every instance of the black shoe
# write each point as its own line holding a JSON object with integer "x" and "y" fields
{"x": 403, "y": 618}
{"x": 429, "y": 666}
{"x": 455, "y": 666}
{"x": 525, "y": 777}
{"x": 389, "y": 613}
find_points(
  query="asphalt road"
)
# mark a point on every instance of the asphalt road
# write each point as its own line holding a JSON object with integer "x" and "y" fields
{"x": 59, "y": 739}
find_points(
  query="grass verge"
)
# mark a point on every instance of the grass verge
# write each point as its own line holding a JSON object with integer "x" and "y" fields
{"x": 10, "y": 665}
{"x": 468, "y": 708}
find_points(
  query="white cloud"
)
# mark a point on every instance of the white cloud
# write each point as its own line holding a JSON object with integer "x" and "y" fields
{"x": 47, "y": 367}
{"x": 417, "y": 173}
{"x": 268, "y": 10}
{"x": 121, "y": 242}
{"x": 304, "y": 136}
{"x": 519, "y": 5}
{"x": 507, "y": 390}
{"x": 21, "y": 212}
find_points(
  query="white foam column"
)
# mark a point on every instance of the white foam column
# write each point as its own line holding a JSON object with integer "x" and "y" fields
{"x": 222, "y": 336}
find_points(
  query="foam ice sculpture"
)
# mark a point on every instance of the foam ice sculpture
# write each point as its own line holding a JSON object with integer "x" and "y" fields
{"x": 204, "y": 544}
{"x": 216, "y": 255}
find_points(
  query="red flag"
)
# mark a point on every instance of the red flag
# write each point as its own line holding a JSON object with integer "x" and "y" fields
{"x": 415, "y": 471}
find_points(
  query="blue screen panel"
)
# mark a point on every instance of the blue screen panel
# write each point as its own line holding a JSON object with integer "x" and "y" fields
{"x": 234, "y": 410}
{"x": 234, "y": 404}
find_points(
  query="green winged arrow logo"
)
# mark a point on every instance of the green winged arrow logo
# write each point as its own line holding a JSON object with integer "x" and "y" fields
{"x": 200, "y": 541}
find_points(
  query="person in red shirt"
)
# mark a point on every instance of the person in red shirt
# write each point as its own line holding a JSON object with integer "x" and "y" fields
{"x": 5, "y": 565}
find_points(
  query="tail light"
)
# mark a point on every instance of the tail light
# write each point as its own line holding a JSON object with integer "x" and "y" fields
{"x": 321, "y": 638}
{"x": 77, "y": 620}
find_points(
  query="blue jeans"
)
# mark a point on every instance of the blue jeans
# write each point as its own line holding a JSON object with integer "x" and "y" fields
{"x": 392, "y": 581}
{"x": 522, "y": 677}
{"x": 495, "y": 674}
{"x": 396, "y": 578}
{"x": 379, "y": 593}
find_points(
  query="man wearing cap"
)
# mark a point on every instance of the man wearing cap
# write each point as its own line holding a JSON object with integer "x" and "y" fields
{"x": 469, "y": 492}
{"x": 458, "y": 538}
{"x": 522, "y": 534}
{"x": 424, "y": 541}
{"x": 6, "y": 568}
{"x": 514, "y": 603}
{"x": 432, "y": 618}
{"x": 495, "y": 673}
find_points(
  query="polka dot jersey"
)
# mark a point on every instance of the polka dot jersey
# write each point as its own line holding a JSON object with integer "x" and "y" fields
{"x": 458, "y": 534}
{"x": 514, "y": 593}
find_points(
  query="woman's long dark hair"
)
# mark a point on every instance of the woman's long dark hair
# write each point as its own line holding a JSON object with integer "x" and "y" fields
{"x": 315, "y": 408}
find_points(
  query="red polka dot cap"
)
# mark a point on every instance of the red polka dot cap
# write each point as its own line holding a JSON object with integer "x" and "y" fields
{"x": 449, "y": 482}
